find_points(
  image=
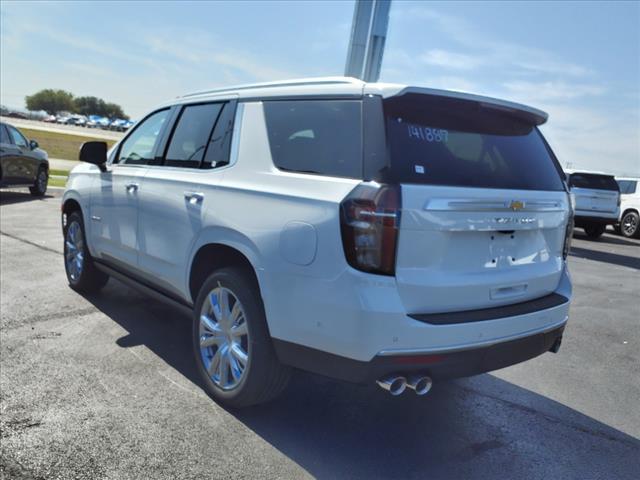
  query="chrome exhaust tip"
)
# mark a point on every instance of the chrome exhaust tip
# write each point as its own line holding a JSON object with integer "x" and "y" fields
{"x": 395, "y": 385}
{"x": 420, "y": 385}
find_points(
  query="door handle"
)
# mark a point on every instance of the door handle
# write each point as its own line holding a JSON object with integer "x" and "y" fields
{"x": 132, "y": 187}
{"x": 194, "y": 197}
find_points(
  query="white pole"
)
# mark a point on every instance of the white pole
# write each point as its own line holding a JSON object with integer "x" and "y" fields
{"x": 368, "y": 34}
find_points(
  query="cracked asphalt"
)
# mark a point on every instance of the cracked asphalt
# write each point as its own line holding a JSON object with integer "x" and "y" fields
{"x": 104, "y": 387}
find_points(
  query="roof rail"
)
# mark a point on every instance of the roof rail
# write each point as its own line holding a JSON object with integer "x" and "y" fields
{"x": 282, "y": 83}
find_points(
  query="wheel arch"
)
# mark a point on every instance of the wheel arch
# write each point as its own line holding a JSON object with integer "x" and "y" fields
{"x": 71, "y": 202}
{"x": 213, "y": 255}
{"x": 71, "y": 205}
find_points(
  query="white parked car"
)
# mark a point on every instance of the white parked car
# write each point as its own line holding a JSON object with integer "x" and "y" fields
{"x": 63, "y": 118}
{"x": 597, "y": 201}
{"x": 629, "y": 225}
{"x": 368, "y": 232}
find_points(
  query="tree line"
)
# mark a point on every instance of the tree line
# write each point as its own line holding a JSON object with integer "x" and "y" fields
{"x": 56, "y": 101}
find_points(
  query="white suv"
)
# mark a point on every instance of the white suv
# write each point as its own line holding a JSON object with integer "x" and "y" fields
{"x": 629, "y": 223}
{"x": 368, "y": 232}
{"x": 597, "y": 201}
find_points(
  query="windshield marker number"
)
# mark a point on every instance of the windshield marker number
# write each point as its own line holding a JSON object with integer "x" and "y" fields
{"x": 427, "y": 134}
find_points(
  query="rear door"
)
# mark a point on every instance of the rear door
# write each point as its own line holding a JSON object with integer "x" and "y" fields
{"x": 484, "y": 208}
{"x": 178, "y": 195}
{"x": 594, "y": 192}
{"x": 10, "y": 158}
{"x": 23, "y": 165}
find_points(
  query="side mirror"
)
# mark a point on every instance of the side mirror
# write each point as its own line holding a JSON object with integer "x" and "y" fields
{"x": 33, "y": 144}
{"x": 95, "y": 153}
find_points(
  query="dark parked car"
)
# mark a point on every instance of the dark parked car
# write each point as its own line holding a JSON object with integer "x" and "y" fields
{"x": 22, "y": 163}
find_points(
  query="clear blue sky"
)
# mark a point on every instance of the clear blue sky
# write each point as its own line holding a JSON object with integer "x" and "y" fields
{"x": 580, "y": 61}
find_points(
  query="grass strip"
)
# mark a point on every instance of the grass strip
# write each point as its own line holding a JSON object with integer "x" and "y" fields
{"x": 61, "y": 145}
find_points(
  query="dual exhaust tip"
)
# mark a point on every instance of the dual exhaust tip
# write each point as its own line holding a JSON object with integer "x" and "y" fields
{"x": 397, "y": 384}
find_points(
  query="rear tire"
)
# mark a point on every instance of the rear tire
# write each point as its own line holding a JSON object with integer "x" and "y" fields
{"x": 595, "y": 230}
{"x": 82, "y": 274}
{"x": 630, "y": 225}
{"x": 40, "y": 184}
{"x": 238, "y": 369}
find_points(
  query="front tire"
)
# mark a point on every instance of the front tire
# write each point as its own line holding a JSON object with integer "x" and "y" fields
{"x": 39, "y": 187}
{"x": 594, "y": 230}
{"x": 82, "y": 274}
{"x": 630, "y": 225}
{"x": 231, "y": 342}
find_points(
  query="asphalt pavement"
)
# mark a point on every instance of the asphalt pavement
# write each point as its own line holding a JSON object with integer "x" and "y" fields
{"x": 104, "y": 386}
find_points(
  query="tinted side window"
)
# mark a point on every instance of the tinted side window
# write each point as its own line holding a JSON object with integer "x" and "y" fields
{"x": 191, "y": 135}
{"x": 139, "y": 147}
{"x": 4, "y": 135}
{"x": 18, "y": 138}
{"x": 591, "y": 180}
{"x": 316, "y": 136}
{"x": 217, "y": 153}
{"x": 627, "y": 186}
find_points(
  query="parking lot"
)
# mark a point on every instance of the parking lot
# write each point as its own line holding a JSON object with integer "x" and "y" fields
{"x": 55, "y": 127}
{"x": 104, "y": 387}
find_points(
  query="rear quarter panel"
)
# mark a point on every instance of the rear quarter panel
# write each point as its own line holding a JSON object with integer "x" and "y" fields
{"x": 263, "y": 211}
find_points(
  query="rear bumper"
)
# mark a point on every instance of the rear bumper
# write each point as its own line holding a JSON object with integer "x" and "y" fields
{"x": 438, "y": 365}
{"x": 360, "y": 316}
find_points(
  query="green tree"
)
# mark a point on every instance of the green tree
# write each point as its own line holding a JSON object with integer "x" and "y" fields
{"x": 89, "y": 106}
{"x": 113, "y": 110}
{"x": 51, "y": 101}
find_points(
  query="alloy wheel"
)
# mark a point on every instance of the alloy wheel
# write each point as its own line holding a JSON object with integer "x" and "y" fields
{"x": 42, "y": 181}
{"x": 629, "y": 224}
{"x": 74, "y": 255}
{"x": 224, "y": 338}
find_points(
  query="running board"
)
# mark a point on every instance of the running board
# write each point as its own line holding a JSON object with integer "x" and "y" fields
{"x": 144, "y": 289}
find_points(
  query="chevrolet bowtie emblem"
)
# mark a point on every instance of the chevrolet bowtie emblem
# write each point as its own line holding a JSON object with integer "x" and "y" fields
{"x": 516, "y": 205}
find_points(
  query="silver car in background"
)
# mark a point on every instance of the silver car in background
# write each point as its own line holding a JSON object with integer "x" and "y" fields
{"x": 597, "y": 201}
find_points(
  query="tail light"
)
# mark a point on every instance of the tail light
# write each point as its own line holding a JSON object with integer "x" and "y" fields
{"x": 568, "y": 234}
{"x": 619, "y": 200}
{"x": 369, "y": 220}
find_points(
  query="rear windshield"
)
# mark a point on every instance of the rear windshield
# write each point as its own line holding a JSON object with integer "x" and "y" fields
{"x": 594, "y": 181}
{"x": 438, "y": 141}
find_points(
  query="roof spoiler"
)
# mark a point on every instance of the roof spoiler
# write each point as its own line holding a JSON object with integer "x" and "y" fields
{"x": 528, "y": 114}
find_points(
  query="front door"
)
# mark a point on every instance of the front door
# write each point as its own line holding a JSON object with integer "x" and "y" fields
{"x": 178, "y": 197}
{"x": 114, "y": 202}
{"x": 114, "y": 215}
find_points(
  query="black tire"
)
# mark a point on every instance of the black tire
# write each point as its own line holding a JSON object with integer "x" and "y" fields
{"x": 88, "y": 278}
{"x": 595, "y": 230}
{"x": 39, "y": 187}
{"x": 630, "y": 225}
{"x": 264, "y": 377}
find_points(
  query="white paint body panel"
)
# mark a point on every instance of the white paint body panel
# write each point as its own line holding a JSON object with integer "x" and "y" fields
{"x": 288, "y": 226}
{"x": 630, "y": 201}
{"x": 596, "y": 203}
{"x": 451, "y": 256}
